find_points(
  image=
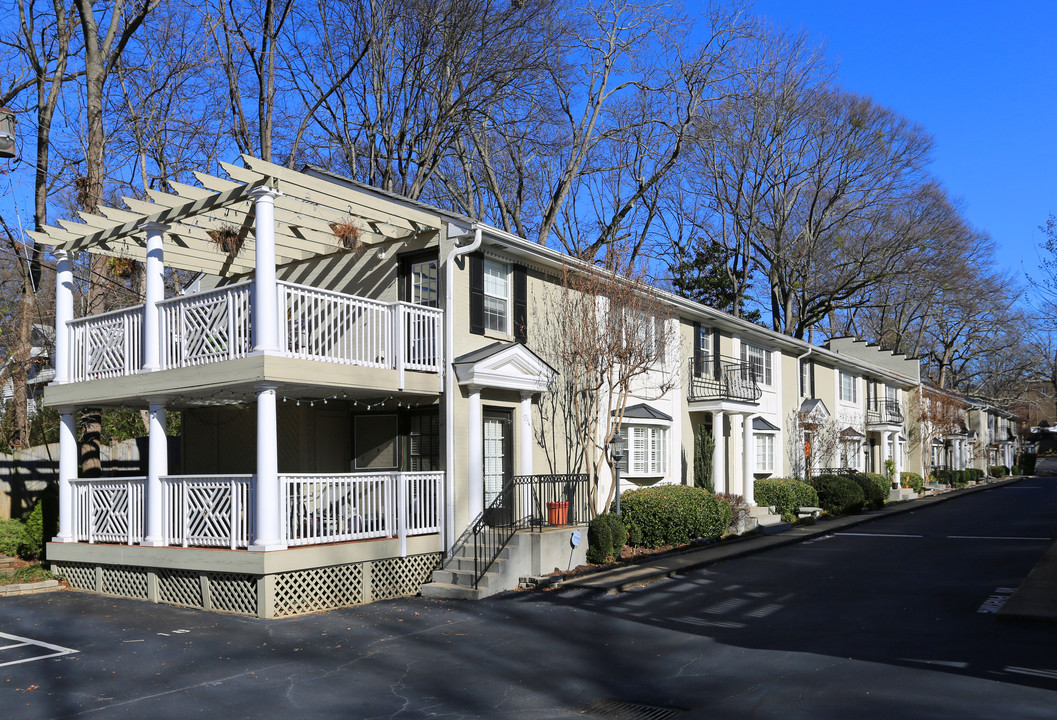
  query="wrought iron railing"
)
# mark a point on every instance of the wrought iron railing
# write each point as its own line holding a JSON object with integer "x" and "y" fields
{"x": 887, "y": 412}
{"x": 527, "y": 502}
{"x": 728, "y": 381}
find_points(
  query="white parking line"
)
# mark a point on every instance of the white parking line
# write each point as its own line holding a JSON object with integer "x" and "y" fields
{"x": 991, "y": 537}
{"x": 877, "y": 535}
{"x": 58, "y": 650}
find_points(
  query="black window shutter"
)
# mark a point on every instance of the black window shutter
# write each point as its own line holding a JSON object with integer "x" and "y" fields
{"x": 405, "y": 279}
{"x": 520, "y": 304}
{"x": 699, "y": 359}
{"x": 477, "y": 293}
{"x": 811, "y": 366}
{"x": 717, "y": 368}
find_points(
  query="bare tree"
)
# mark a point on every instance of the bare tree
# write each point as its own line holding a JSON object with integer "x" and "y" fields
{"x": 935, "y": 415}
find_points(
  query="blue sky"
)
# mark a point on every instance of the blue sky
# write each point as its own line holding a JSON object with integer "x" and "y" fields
{"x": 980, "y": 77}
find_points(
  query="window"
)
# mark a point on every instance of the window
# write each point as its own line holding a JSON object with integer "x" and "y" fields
{"x": 647, "y": 450}
{"x": 496, "y": 296}
{"x": 764, "y": 453}
{"x": 807, "y": 379}
{"x": 423, "y": 283}
{"x": 702, "y": 350}
{"x": 847, "y": 387}
{"x": 759, "y": 362}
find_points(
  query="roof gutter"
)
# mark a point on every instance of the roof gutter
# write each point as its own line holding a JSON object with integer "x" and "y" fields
{"x": 449, "y": 375}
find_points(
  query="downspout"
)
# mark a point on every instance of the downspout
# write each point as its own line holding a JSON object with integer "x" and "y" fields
{"x": 449, "y": 379}
{"x": 800, "y": 379}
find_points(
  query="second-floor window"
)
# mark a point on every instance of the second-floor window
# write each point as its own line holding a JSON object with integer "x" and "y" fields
{"x": 758, "y": 361}
{"x": 423, "y": 283}
{"x": 496, "y": 296}
{"x": 847, "y": 387}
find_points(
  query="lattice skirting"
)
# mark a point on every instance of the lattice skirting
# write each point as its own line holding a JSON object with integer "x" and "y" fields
{"x": 280, "y": 595}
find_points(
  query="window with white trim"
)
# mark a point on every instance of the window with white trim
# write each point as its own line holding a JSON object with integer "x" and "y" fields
{"x": 647, "y": 450}
{"x": 764, "y": 453}
{"x": 759, "y": 362}
{"x": 847, "y": 387}
{"x": 496, "y": 295}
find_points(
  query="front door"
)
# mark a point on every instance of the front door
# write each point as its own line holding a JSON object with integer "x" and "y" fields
{"x": 498, "y": 466}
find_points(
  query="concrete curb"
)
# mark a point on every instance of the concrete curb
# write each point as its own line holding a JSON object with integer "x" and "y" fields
{"x": 613, "y": 580}
{"x": 29, "y": 588}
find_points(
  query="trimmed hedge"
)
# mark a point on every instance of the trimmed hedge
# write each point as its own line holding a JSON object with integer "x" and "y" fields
{"x": 913, "y": 481}
{"x": 673, "y": 514}
{"x": 1015, "y": 470}
{"x": 875, "y": 488}
{"x": 606, "y": 537}
{"x": 41, "y": 524}
{"x": 954, "y": 478}
{"x": 10, "y": 537}
{"x": 1027, "y": 463}
{"x": 974, "y": 474}
{"x": 998, "y": 471}
{"x": 838, "y": 495}
{"x": 786, "y": 495}
{"x": 727, "y": 510}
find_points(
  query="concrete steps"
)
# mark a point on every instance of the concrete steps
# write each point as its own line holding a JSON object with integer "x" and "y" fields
{"x": 7, "y": 565}
{"x": 767, "y": 521}
{"x": 455, "y": 579}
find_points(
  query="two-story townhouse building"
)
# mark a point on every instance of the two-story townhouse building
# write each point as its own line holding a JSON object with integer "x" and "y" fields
{"x": 366, "y": 387}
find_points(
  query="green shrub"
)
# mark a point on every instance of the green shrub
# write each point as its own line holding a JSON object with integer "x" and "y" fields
{"x": 1027, "y": 463}
{"x": 875, "y": 488}
{"x": 974, "y": 474}
{"x": 786, "y": 495}
{"x": 838, "y": 495}
{"x": 730, "y": 508}
{"x": 634, "y": 535}
{"x": 959, "y": 478}
{"x": 997, "y": 471}
{"x": 704, "y": 446}
{"x": 1015, "y": 470}
{"x": 42, "y": 524}
{"x": 10, "y": 536}
{"x": 673, "y": 514}
{"x": 599, "y": 540}
{"x": 913, "y": 481}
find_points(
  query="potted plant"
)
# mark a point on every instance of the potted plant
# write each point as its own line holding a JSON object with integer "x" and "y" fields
{"x": 228, "y": 239}
{"x": 348, "y": 235}
{"x": 121, "y": 267}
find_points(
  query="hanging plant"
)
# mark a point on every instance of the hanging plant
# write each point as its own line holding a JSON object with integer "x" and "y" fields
{"x": 348, "y": 235}
{"x": 227, "y": 238}
{"x": 121, "y": 267}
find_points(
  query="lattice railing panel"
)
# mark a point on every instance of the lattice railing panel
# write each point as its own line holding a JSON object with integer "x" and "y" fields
{"x": 180, "y": 587}
{"x": 305, "y": 591}
{"x": 233, "y": 593}
{"x": 207, "y": 511}
{"x": 125, "y": 581}
{"x": 207, "y": 327}
{"x": 108, "y": 510}
{"x": 107, "y": 345}
{"x": 78, "y": 575}
{"x": 401, "y": 577}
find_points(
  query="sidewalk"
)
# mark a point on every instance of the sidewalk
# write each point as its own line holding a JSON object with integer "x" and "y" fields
{"x": 623, "y": 578}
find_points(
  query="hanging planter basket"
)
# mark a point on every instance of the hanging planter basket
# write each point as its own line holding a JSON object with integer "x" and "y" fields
{"x": 227, "y": 239}
{"x": 348, "y": 236}
{"x": 121, "y": 267}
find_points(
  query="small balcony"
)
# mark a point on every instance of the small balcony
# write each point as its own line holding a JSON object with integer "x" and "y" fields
{"x": 887, "y": 413}
{"x": 722, "y": 381}
{"x": 218, "y": 511}
{"x": 218, "y": 325}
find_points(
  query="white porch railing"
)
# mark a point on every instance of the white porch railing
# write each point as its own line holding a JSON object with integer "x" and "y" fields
{"x": 106, "y": 345}
{"x": 339, "y": 508}
{"x": 207, "y": 511}
{"x": 108, "y": 510}
{"x": 217, "y": 325}
{"x": 206, "y": 327}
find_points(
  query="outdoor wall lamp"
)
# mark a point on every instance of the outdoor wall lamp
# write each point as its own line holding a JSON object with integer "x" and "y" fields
{"x": 618, "y": 446}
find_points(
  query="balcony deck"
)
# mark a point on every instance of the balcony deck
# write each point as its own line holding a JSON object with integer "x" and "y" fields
{"x": 721, "y": 385}
{"x": 887, "y": 415}
{"x": 206, "y": 342}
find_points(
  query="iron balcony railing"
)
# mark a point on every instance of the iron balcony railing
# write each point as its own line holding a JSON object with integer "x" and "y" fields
{"x": 527, "y": 501}
{"x": 887, "y": 412}
{"x": 723, "y": 380}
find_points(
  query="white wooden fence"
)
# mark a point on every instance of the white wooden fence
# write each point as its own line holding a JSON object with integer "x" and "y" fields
{"x": 108, "y": 510}
{"x": 217, "y": 325}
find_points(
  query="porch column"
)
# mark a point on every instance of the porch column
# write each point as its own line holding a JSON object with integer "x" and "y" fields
{"x": 157, "y": 467}
{"x": 885, "y": 437}
{"x": 897, "y": 449}
{"x": 475, "y": 452}
{"x": 526, "y": 433}
{"x": 749, "y": 463}
{"x": 267, "y": 535}
{"x": 154, "y": 292}
{"x": 63, "y": 315}
{"x": 719, "y": 475}
{"x": 265, "y": 300}
{"x": 67, "y": 472}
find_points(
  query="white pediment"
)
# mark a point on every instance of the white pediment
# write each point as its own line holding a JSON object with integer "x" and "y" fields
{"x": 510, "y": 367}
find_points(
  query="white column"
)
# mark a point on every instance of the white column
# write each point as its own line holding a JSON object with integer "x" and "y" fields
{"x": 265, "y": 299}
{"x": 63, "y": 315}
{"x": 67, "y": 472}
{"x": 157, "y": 467}
{"x": 475, "y": 454}
{"x": 527, "y": 441}
{"x": 267, "y": 535}
{"x": 719, "y": 475}
{"x": 749, "y": 463}
{"x": 154, "y": 292}
{"x": 885, "y": 438}
{"x": 897, "y": 448}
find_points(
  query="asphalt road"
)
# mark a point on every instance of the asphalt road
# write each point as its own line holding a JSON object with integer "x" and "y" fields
{"x": 890, "y": 620}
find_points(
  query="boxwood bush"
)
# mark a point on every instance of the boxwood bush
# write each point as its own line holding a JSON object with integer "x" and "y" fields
{"x": 913, "y": 481}
{"x": 606, "y": 537}
{"x": 673, "y": 514}
{"x": 974, "y": 474}
{"x": 1015, "y": 470}
{"x": 838, "y": 495}
{"x": 10, "y": 536}
{"x": 875, "y": 488}
{"x": 786, "y": 495}
{"x": 997, "y": 471}
{"x": 1027, "y": 463}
